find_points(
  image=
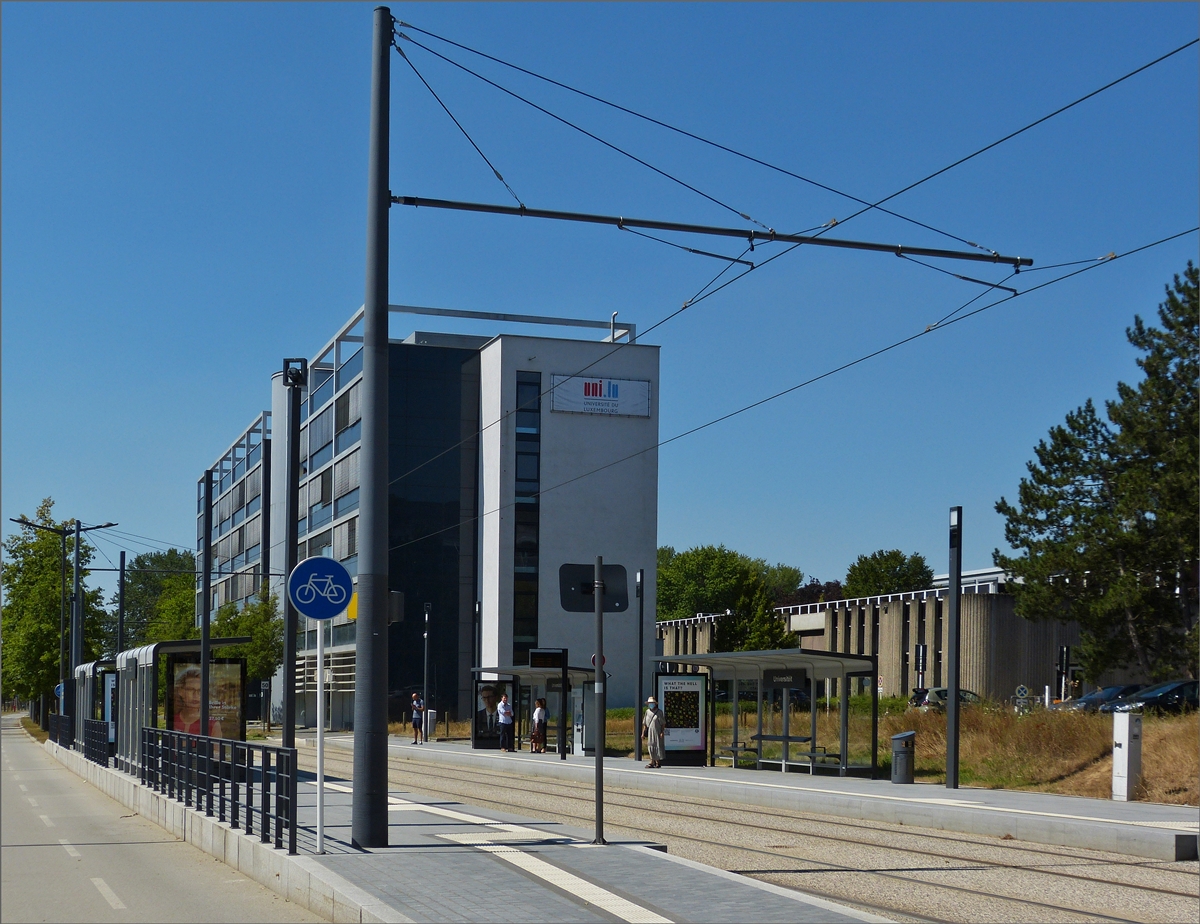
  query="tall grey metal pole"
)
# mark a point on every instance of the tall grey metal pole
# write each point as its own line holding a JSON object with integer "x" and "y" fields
{"x": 121, "y": 606}
{"x": 425, "y": 680}
{"x": 295, "y": 379}
{"x": 76, "y": 629}
{"x": 600, "y": 712}
{"x": 954, "y": 596}
{"x": 62, "y": 619}
{"x": 641, "y": 668}
{"x": 369, "y": 816}
{"x": 206, "y": 597}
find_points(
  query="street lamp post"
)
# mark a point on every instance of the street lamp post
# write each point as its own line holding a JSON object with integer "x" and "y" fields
{"x": 61, "y": 532}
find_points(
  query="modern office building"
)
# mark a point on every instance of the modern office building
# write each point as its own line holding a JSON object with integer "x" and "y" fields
{"x": 509, "y": 455}
{"x": 241, "y": 531}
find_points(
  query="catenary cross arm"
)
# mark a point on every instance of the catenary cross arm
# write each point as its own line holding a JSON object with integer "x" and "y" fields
{"x": 743, "y": 233}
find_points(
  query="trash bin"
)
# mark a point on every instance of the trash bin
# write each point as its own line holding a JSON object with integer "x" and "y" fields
{"x": 430, "y": 728}
{"x": 903, "y": 746}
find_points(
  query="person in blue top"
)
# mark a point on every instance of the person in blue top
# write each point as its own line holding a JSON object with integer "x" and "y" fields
{"x": 505, "y": 712}
{"x": 418, "y": 717}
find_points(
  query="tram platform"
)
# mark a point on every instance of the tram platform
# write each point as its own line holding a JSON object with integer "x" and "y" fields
{"x": 1141, "y": 829}
{"x": 448, "y": 862}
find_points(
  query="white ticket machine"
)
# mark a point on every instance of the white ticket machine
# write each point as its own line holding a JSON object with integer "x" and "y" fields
{"x": 1127, "y": 755}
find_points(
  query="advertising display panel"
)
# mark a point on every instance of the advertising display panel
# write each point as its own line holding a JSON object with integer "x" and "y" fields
{"x": 485, "y": 731}
{"x": 226, "y": 696}
{"x": 579, "y": 394}
{"x": 682, "y": 698}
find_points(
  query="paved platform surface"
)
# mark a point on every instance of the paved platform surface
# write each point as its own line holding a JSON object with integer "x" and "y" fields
{"x": 1163, "y": 832}
{"x": 450, "y": 862}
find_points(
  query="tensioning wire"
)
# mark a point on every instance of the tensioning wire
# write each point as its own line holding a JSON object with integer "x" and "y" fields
{"x": 787, "y": 391}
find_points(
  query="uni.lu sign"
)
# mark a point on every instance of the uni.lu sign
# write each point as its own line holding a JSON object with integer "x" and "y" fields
{"x": 613, "y": 397}
{"x": 598, "y": 389}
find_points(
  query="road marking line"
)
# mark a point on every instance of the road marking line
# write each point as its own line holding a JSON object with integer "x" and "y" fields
{"x": 32, "y": 801}
{"x": 109, "y": 895}
{"x": 71, "y": 851}
{"x": 46, "y": 821}
{"x": 23, "y": 788}
{"x": 572, "y": 884}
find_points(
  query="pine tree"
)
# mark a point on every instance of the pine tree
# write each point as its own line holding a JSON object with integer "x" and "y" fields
{"x": 1106, "y": 523}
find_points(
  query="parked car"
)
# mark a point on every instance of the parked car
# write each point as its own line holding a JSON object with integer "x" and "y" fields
{"x": 934, "y": 699}
{"x": 1172, "y": 696}
{"x": 1091, "y": 702}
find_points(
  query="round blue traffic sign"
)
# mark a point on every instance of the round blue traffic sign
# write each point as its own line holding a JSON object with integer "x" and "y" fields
{"x": 58, "y": 690}
{"x": 320, "y": 588}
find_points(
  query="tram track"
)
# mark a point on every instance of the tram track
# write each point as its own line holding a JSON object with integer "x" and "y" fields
{"x": 471, "y": 784}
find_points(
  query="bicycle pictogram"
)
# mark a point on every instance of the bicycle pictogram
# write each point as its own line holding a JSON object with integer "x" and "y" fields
{"x": 324, "y": 586}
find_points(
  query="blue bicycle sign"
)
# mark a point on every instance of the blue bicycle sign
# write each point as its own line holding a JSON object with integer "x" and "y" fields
{"x": 320, "y": 588}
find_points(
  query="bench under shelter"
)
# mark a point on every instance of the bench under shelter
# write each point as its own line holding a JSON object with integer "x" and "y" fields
{"x": 784, "y": 670}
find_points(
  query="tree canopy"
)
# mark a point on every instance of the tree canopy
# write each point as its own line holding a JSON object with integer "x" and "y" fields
{"x": 887, "y": 572}
{"x": 32, "y": 581}
{"x": 261, "y": 621}
{"x": 149, "y": 577}
{"x": 1105, "y": 526}
{"x": 714, "y": 579}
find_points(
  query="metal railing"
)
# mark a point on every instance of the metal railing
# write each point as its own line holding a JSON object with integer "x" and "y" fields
{"x": 95, "y": 741}
{"x": 252, "y": 786}
{"x": 62, "y": 730}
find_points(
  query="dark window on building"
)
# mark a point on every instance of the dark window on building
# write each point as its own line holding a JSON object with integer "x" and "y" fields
{"x": 527, "y": 472}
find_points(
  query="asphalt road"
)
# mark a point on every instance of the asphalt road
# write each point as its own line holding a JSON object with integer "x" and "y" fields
{"x": 70, "y": 853}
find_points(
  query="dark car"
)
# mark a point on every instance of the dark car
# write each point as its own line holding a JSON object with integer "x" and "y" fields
{"x": 1172, "y": 696}
{"x": 1091, "y": 702}
{"x": 934, "y": 699}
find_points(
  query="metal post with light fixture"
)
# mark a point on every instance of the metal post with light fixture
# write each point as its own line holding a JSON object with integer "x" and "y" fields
{"x": 639, "y": 702}
{"x": 295, "y": 379}
{"x": 61, "y": 532}
{"x": 953, "y": 617}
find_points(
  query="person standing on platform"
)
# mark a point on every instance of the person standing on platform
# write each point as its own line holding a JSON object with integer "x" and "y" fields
{"x": 418, "y": 717}
{"x": 505, "y": 712}
{"x": 653, "y": 728}
{"x": 537, "y": 737}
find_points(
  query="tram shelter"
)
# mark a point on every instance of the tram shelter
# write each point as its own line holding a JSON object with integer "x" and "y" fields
{"x": 138, "y": 692}
{"x": 775, "y": 674}
{"x": 525, "y": 683}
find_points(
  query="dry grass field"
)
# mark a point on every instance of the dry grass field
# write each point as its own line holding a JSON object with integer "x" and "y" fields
{"x": 1065, "y": 753}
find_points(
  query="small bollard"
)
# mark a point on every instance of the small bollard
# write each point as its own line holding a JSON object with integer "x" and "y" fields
{"x": 903, "y": 748}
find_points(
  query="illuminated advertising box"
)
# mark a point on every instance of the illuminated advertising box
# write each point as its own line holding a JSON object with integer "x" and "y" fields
{"x": 681, "y": 697}
{"x": 226, "y": 696}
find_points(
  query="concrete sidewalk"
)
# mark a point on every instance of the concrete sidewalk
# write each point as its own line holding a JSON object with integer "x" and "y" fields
{"x": 1141, "y": 829}
{"x": 447, "y": 862}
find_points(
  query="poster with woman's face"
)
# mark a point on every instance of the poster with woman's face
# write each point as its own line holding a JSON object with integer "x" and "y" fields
{"x": 226, "y": 692}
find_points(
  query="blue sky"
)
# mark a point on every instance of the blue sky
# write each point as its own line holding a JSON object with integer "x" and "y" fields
{"x": 183, "y": 204}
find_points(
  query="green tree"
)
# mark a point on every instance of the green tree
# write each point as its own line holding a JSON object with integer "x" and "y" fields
{"x": 886, "y": 572}
{"x": 147, "y": 577}
{"x": 31, "y": 579}
{"x": 714, "y": 579}
{"x": 1105, "y": 524}
{"x": 261, "y": 621}
{"x": 172, "y": 612}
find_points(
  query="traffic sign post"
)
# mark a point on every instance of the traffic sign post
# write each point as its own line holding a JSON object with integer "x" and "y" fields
{"x": 320, "y": 588}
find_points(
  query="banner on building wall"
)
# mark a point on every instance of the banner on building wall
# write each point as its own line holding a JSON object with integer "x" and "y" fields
{"x": 681, "y": 698}
{"x": 577, "y": 394}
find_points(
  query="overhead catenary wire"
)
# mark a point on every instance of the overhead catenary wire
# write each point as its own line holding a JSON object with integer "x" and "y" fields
{"x": 688, "y": 134}
{"x": 459, "y": 124}
{"x": 706, "y": 294}
{"x": 810, "y": 381}
{"x": 584, "y": 131}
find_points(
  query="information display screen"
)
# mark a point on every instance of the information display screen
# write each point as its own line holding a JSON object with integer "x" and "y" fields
{"x": 681, "y": 698}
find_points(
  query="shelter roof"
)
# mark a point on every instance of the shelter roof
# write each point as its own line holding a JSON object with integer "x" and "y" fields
{"x": 538, "y": 674}
{"x": 139, "y": 655}
{"x": 821, "y": 665}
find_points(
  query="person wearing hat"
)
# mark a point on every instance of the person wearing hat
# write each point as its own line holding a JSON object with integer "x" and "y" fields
{"x": 653, "y": 728}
